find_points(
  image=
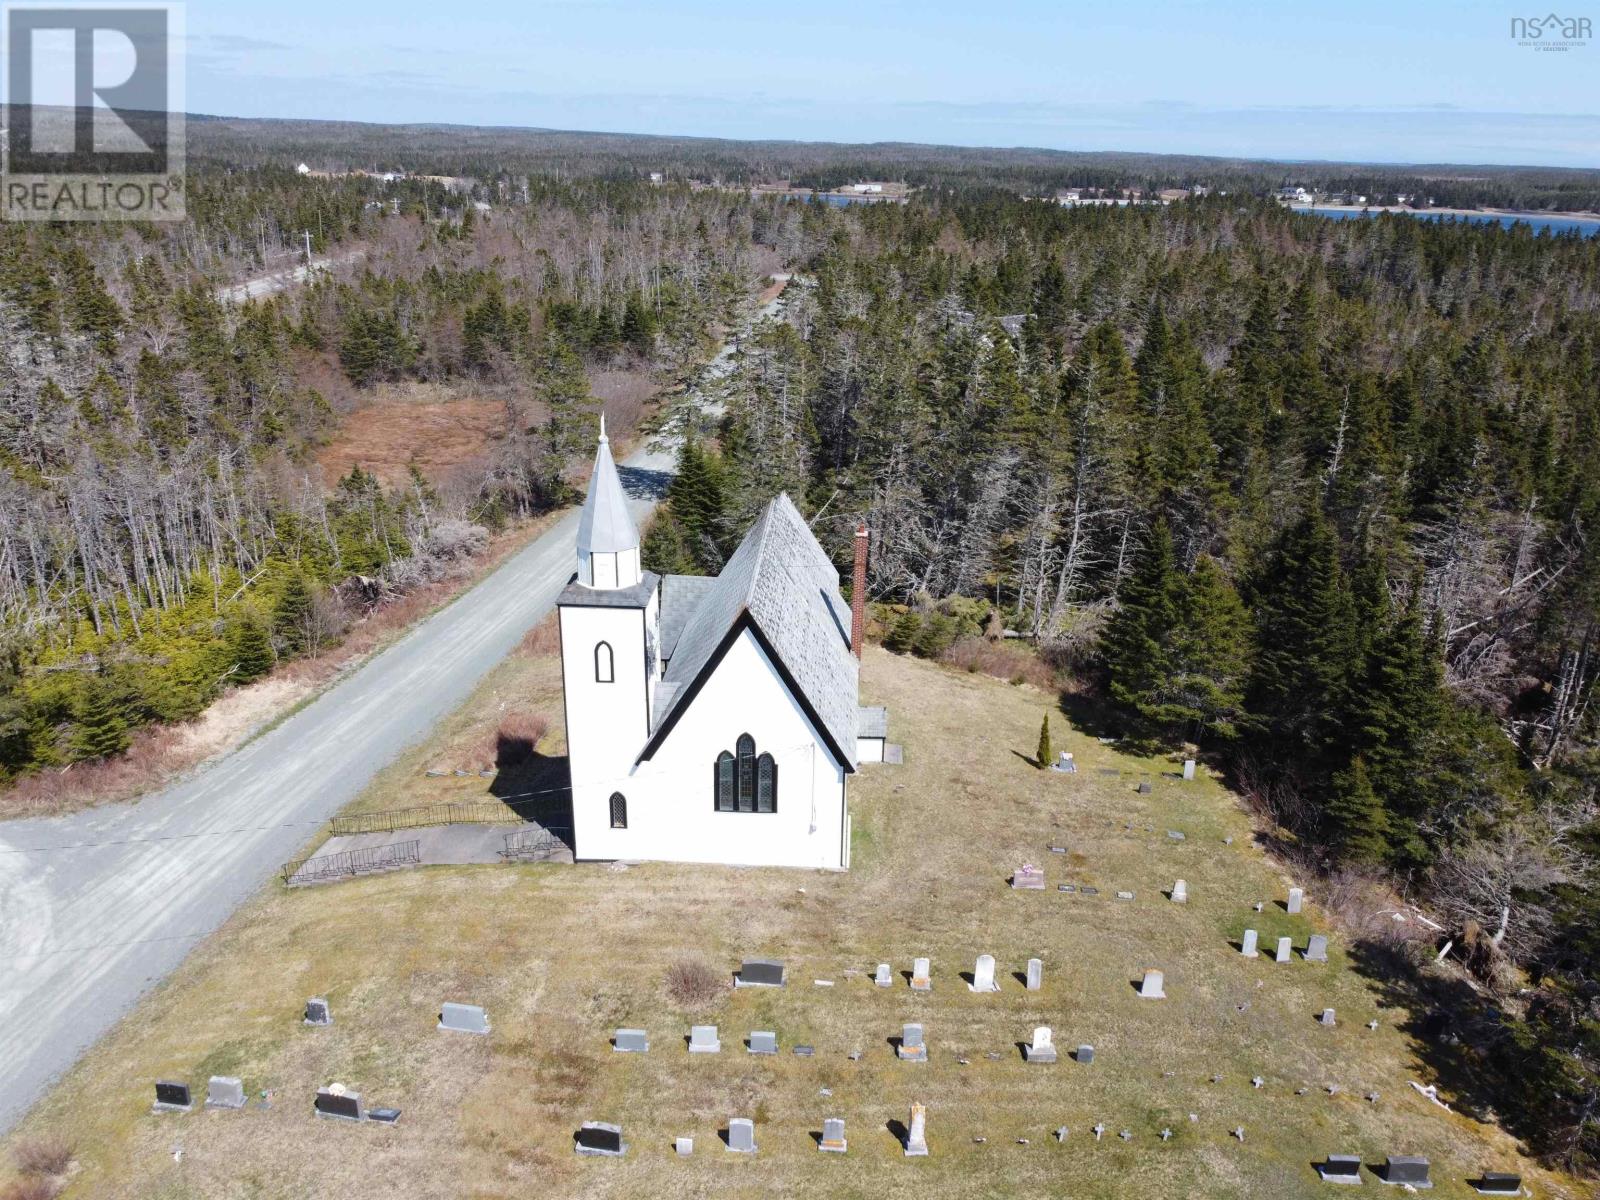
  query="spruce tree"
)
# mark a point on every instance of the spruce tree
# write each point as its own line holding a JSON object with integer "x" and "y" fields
{"x": 252, "y": 650}
{"x": 1046, "y": 752}
{"x": 1135, "y": 638}
{"x": 102, "y": 724}
{"x": 1208, "y": 656}
{"x": 290, "y": 614}
{"x": 1358, "y": 824}
{"x": 903, "y": 633}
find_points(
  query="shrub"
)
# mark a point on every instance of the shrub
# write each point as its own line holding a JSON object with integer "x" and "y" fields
{"x": 517, "y": 739}
{"x": 44, "y": 1156}
{"x": 35, "y": 1187}
{"x": 692, "y": 984}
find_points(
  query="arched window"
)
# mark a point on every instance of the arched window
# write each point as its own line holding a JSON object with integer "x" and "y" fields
{"x": 604, "y": 667}
{"x": 619, "y": 811}
{"x": 744, "y": 782}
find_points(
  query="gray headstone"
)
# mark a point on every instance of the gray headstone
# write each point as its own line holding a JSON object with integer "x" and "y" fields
{"x": 1341, "y": 1168}
{"x": 917, "y": 1133}
{"x": 631, "y": 1041}
{"x": 318, "y": 1012}
{"x": 912, "y": 1048}
{"x": 760, "y": 972}
{"x": 1317, "y": 948}
{"x": 884, "y": 977}
{"x": 1497, "y": 1183}
{"x": 763, "y": 1042}
{"x": 1180, "y": 892}
{"x": 1144, "y": 787}
{"x": 1188, "y": 768}
{"x": 832, "y": 1136}
{"x": 1084, "y": 1055}
{"x": 173, "y": 1097}
{"x": 599, "y": 1138}
{"x": 742, "y": 1135}
{"x": 386, "y": 1116}
{"x": 803, "y": 1051}
{"x": 1042, "y": 1048}
{"x": 1035, "y": 974}
{"x": 224, "y": 1091}
{"x": 703, "y": 1040}
{"x": 346, "y": 1106}
{"x": 1285, "y": 950}
{"x": 1327, "y": 1017}
{"x": 1407, "y": 1168}
{"x": 463, "y": 1018}
{"x": 1028, "y": 877}
{"x": 1153, "y": 986}
{"x": 1248, "y": 946}
{"x": 1297, "y": 899}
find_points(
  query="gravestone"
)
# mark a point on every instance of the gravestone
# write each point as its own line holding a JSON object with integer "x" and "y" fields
{"x": 921, "y": 981}
{"x": 912, "y": 1048}
{"x": 1317, "y": 948}
{"x": 340, "y": 1104}
{"x": 1124, "y": 895}
{"x": 917, "y": 1133}
{"x": 631, "y": 1041}
{"x": 703, "y": 1040}
{"x": 1180, "y": 892}
{"x": 1497, "y": 1183}
{"x": 1152, "y": 987}
{"x": 1086, "y": 890}
{"x": 173, "y": 1097}
{"x": 1285, "y": 950}
{"x": 1065, "y": 764}
{"x": 884, "y": 976}
{"x": 763, "y": 1042}
{"x": 384, "y": 1116}
{"x": 223, "y": 1091}
{"x": 803, "y": 1051}
{"x": 318, "y": 1012}
{"x": 1028, "y": 878}
{"x": 683, "y": 1147}
{"x": 742, "y": 1135}
{"x": 1248, "y": 946}
{"x": 760, "y": 972}
{"x": 1297, "y": 898}
{"x": 601, "y": 1139}
{"x": 1327, "y": 1018}
{"x": 1084, "y": 1055}
{"x": 1188, "y": 768}
{"x": 1144, "y": 787}
{"x": 1407, "y": 1168}
{"x": 463, "y": 1018}
{"x": 1041, "y": 1049}
{"x": 983, "y": 975}
{"x": 1035, "y": 974}
{"x": 1341, "y": 1168}
{"x": 832, "y": 1136}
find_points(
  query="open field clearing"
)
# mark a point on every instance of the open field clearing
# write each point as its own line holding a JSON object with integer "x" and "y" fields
{"x": 563, "y": 955}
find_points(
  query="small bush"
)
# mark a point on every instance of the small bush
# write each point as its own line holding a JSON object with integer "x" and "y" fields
{"x": 35, "y": 1187}
{"x": 44, "y": 1156}
{"x": 517, "y": 739}
{"x": 692, "y": 984}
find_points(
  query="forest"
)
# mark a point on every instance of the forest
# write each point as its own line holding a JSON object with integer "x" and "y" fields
{"x": 1317, "y": 497}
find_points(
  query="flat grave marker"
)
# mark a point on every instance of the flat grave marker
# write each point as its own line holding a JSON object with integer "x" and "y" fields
{"x": 318, "y": 1012}
{"x": 463, "y": 1018}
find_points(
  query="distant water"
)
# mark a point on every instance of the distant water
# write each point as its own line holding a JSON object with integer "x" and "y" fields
{"x": 1586, "y": 226}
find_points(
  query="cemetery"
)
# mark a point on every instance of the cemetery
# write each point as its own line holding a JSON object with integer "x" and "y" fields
{"x": 611, "y": 1030}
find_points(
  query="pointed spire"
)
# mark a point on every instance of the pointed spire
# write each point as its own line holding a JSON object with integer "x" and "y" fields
{"x": 608, "y": 541}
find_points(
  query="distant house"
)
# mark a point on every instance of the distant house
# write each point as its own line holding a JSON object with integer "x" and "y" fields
{"x": 867, "y": 189}
{"x": 657, "y": 177}
{"x": 302, "y": 169}
{"x": 1294, "y": 195}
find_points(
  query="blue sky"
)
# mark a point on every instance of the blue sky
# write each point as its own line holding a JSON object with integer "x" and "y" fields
{"x": 1420, "y": 81}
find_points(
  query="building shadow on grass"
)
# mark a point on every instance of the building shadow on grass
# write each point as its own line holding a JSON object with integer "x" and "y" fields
{"x": 537, "y": 787}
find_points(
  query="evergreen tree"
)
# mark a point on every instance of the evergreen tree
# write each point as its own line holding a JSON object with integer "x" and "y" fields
{"x": 699, "y": 504}
{"x": 102, "y": 724}
{"x": 1357, "y": 822}
{"x": 1208, "y": 656}
{"x": 903, "y": 633}
{"x": 1045, "y": 754}
{"x": 251, "y": 649}
{"x": 665, "y": 549}
{"x": 1135, "y": 639}
{"x": 290, "y": 616}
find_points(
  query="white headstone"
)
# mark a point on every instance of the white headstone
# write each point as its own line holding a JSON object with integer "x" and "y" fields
{"x": 1180, "y": 892}
{"x": 223, "y": 1091}
{"x": 832, "y": 1136}
{"x": 463, "y": 1018}
{"x": 684, "y": 1146}
{"x": 1317, "y": 948}
{"x": 1035, "y": 974}
{"x": 1327, "y": 1017}
{"x": 1285, "y": 949}
{"x": 1248, "y": 946}
{"x": 703, "y": 1040}
{"x": 1297, "y": 897}
{"x": 917, "y": 1133}
{"x": 921, "y": 981}
{"x": 884, "y": 977}
{"x": 1188, "y": 768}
{"x": 1152, "y": 987}
{"x": 742, "y": 1135}
{"x": 983, "y": 974}
{"x": 1041, "y": 1049}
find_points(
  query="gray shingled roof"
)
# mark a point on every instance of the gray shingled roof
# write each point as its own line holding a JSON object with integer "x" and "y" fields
{"x": 680, "y": 597}
{"x": 784, "y": 580}
{"x": 605, "y": 526}
{"x": 872, "y": 721}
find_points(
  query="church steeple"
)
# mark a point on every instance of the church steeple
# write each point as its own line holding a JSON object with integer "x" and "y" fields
{"x": 608, "y": 542}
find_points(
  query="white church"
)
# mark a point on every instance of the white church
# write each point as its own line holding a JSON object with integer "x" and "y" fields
{"x": 712, "y": 719}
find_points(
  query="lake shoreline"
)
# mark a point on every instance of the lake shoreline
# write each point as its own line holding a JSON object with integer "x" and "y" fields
{"x": 1405, "y": 210}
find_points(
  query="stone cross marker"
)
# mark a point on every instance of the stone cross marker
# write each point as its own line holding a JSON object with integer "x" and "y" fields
{"x": 1035, "y": 974}
{"x": 912, "y": 1048}
{"x": 1317, "y": 948}
{"x": 318, "y": 1012}
{"x": 1248, "y": 946}
{"x": 172, "y": 1097}
{"x": 1188, "y": 768}
{"x": 760, "y": 972}
{"x": 599, "y": 1138}
{"x": 1285, "y": 946}
{"x": 1041, "y": 1049}
{"x": 983, "y": 974}
{"x": 763, "y": 1042}
{"x": 1327, "y": 1017}
{"x": 742, "y": 1135}
{"x": 703, "y": 1040}
{"x": 463, "y": 1018}
{"x": 921, "y": 981}
{"x": 1297, "y": 899}
{"x": 1153, "y": 986}
{"x": 917, "y": 1133}
{"x": 1180, "y": 892}
{"x": 884, "y": 976}
{"x": 832, "y": 1136}
{"x": 631, "y": 1041}
{"x": 224, "y": 1091}
{"x": 1028, "y": 877}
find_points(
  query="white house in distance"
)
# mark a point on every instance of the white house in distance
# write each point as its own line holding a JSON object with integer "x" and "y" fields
{"x": 712, "y": 719}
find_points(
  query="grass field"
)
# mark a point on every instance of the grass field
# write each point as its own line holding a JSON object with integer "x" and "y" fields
{"x": 562, "y": 955}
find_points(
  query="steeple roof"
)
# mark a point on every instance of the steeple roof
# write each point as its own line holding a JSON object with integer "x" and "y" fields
{"x": 605, "y": 527}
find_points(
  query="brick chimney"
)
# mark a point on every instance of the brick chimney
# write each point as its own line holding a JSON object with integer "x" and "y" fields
{"x": 858, "y": 593}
